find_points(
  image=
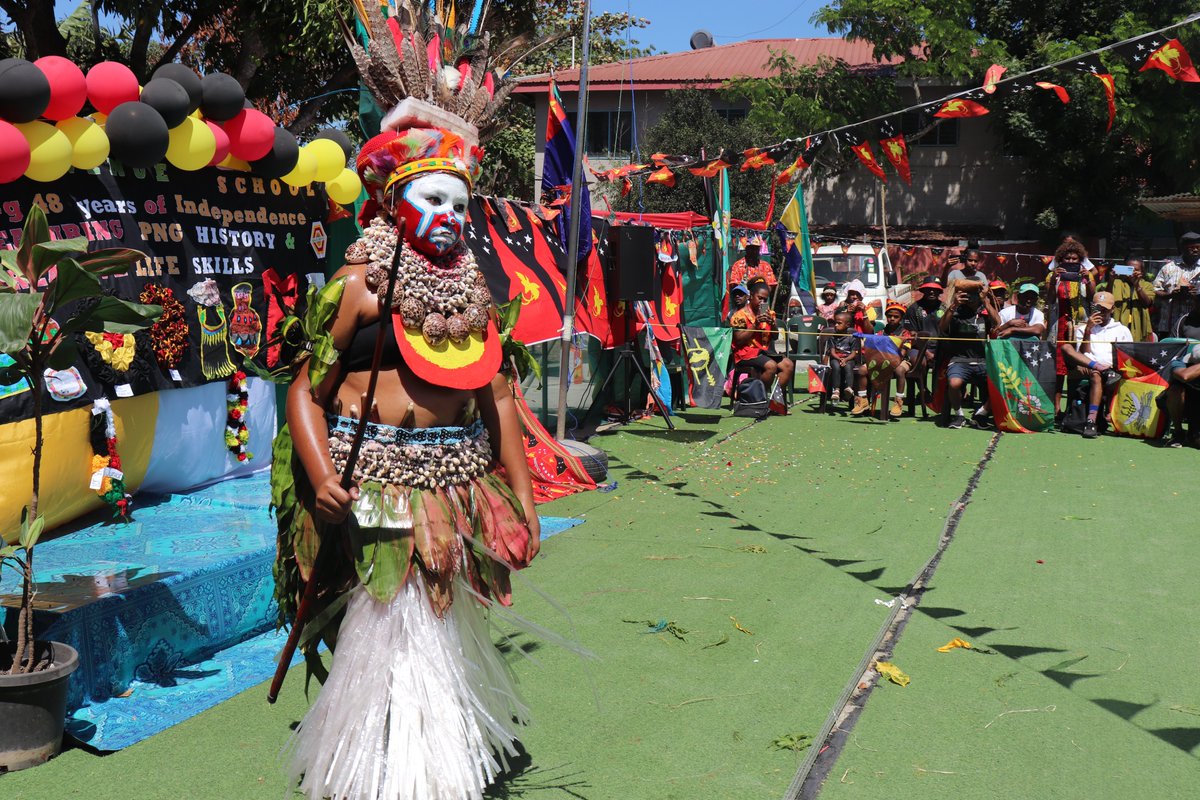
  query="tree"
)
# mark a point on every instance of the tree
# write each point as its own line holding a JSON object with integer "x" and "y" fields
{"x": 1093, "y": 179}
{"x": 799, "y": 99}
{"x": 688, "y": 125}
{"x": 508, "y": 165}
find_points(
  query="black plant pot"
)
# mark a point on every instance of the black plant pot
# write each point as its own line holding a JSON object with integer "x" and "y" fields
{"x": 34, "y": 706}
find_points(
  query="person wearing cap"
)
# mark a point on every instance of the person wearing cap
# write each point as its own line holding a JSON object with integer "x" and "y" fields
{"x": 829, "y": 302}
{"x": 1092, "y": 355}
{"x": 753, "y": 331}
{"x": 894, "y": 327}
{"x": 999, "y": 290}
{"x": 750, "y": 266}
{"x": 739, "y": 295}
{"x": 1023, "y": 320}
{"x": 1176, "y": 282}
{"x": 1134, "y": 297}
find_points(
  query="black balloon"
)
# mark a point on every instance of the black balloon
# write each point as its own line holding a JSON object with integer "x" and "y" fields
{"x": 340, "y": 138}
{"x": 137, "y": 134}
{"x": 186, "y": 77}
{"x": 24, "y": 90}
{"x": 282, "y": 158}
{"x": 169, "y": 99}
{"x": 223, "y": 97}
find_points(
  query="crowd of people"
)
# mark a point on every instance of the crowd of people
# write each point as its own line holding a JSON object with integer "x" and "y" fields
{"x": 1081, "y": 307}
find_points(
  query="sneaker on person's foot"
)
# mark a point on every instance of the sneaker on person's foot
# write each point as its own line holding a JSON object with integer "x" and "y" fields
{"x": 861, "y": 406}
{"x": 980, "y": 420}
{"x": 897, "y": 408}
{"x": 1089, "y": 429}
{"x": 1173, "y": 442}
{"x": 958, "y": 421}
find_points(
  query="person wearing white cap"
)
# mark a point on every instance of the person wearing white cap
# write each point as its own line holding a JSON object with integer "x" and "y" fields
{"x": 1092, "y": 355}
{"x": 1175, "y": 283}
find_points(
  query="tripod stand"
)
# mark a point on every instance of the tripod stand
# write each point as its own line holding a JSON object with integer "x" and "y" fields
{"x": 626, "y": 355}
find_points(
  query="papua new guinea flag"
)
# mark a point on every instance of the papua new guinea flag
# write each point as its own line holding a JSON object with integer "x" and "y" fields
{"x": 1021, "y": 381}
{"x": 880, "y": 355}
{"x": 1145, "y": 369}
{"x": 707, "y": 353}
{"x": 816, "y": 378}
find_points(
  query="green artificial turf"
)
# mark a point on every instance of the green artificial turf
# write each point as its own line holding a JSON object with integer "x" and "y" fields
{"x": 791, "y": 529}
{"x": 1073, "y": 573}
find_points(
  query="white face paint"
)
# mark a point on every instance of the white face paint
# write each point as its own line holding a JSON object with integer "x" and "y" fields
{"x": 434, "y": 206}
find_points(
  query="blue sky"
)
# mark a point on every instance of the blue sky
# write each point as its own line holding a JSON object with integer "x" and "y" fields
{"x": 672, "y": 22}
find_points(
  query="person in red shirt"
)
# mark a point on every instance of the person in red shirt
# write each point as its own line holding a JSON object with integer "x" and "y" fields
{"x": 750, "y": 267}
{"x": 753, "y": 332}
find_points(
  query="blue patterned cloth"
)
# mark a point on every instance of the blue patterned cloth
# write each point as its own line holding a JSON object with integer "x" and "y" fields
{"x": 171, "y": 614}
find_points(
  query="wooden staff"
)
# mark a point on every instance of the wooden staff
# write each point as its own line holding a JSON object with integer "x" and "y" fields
{"x": 304, "y": 610}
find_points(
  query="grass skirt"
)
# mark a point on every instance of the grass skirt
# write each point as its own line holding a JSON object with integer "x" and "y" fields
{"x": 415, "y": 707}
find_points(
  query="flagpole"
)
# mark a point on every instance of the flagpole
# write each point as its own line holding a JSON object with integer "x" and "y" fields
{"x": 573, "y": 235}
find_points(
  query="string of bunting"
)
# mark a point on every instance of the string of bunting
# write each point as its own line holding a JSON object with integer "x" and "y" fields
{"x": 1153, "y": 50}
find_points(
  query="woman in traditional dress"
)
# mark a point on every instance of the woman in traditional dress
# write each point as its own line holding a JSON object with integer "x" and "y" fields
{"x": 418, "y": 702}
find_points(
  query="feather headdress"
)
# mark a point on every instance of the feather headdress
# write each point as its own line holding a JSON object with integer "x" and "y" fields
{"x": 434, "y": 64}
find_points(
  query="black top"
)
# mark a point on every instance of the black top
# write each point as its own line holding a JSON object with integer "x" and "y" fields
{"x": 918, "y": 320}
{"x": 966, "y": 324}
{"x": 357, "y": 356}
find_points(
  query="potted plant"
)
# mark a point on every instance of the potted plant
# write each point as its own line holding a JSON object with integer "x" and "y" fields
{"x": 40, "y": 281}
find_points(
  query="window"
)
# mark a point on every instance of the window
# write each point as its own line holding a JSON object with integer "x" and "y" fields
{"x": 944, "y": 135}
{"x": 608, "y": 133}
{"x": 842, "y": 269}
{"x": 731, "y": 115}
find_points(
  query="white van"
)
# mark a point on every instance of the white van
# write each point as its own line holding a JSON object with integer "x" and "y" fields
{"x": 832, "y": 262}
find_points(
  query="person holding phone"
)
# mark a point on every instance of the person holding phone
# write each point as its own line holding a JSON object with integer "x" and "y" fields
{"x": 1070, "y": 287}
{"x": 1134, "y": 297}
{"x": 1176, "y": 282}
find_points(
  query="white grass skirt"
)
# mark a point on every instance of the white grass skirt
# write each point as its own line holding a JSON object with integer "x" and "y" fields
{"x": 415, "y": 707}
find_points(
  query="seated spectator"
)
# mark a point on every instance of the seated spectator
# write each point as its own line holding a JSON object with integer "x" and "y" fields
{"x": 894, "y": 327}
{"x": 921, "y": 320}
{"x": 838, "y": 351}
{"x": 1184, "y": 386}
{"x": 750, "y": 267}
{"x": 1134, "y": 297}
{"x": 739, "y": 295}
{"x": 829, "y": 303}
{"x": 862, "y": 318}
{"x": 753, "y": 333}
{"x": 967, "y": 322}
{"x": 1092, "y": 355}
{"x": 1188, "y": 326}
{"x": 1023, "y": 320}
{"x": 999, "y": 291}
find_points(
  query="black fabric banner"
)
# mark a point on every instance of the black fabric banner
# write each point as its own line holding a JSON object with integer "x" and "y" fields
{"x": 232, "y": 249}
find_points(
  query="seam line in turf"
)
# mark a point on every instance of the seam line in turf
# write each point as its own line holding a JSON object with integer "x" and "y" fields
{"x": 831, "y": 739}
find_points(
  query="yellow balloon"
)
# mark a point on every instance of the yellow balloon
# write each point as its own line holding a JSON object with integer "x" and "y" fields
{"x": 233, "y": 162}
{"x": 89, "y": 142}
{"x": 49, "y": 151}
{"x": 191, "y": 144}
{"x": 345, "y": 188}
{"x": 331, "y": 160}
{"x": 305, "y": 170}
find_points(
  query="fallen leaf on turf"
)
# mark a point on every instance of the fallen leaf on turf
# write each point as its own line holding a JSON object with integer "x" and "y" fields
{"x": 724, "y": 638}
{"x": 792, "y": 741}
{"x": 738, "y": 625}
{"x": 893, "y": 673}
{"x": 953, "y": 643}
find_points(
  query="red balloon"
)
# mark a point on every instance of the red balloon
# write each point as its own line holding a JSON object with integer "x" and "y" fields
{"x": 251, "y": 134}
{"x": 14, "y": 153}
{"x": 109, "y": 84}
{"x": 68, "y": 87}
{"x": 222, "y": 142}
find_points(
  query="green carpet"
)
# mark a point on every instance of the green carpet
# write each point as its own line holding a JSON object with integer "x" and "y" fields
{"x": 766, "y": 550}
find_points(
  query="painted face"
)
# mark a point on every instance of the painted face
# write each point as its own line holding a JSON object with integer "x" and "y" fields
{"x": 434, "y": 207}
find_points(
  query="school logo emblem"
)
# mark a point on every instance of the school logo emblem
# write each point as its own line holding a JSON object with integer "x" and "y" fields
{"x": 318, "y": 239}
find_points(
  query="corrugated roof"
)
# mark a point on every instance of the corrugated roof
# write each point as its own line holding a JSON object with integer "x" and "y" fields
{"x": 1175, "y": 207}
{"x": 709, "y": 67}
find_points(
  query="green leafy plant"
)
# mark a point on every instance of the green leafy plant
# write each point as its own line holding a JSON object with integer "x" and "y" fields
{"x": 40, "y": 280}
{"x": 515, "y": 351}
